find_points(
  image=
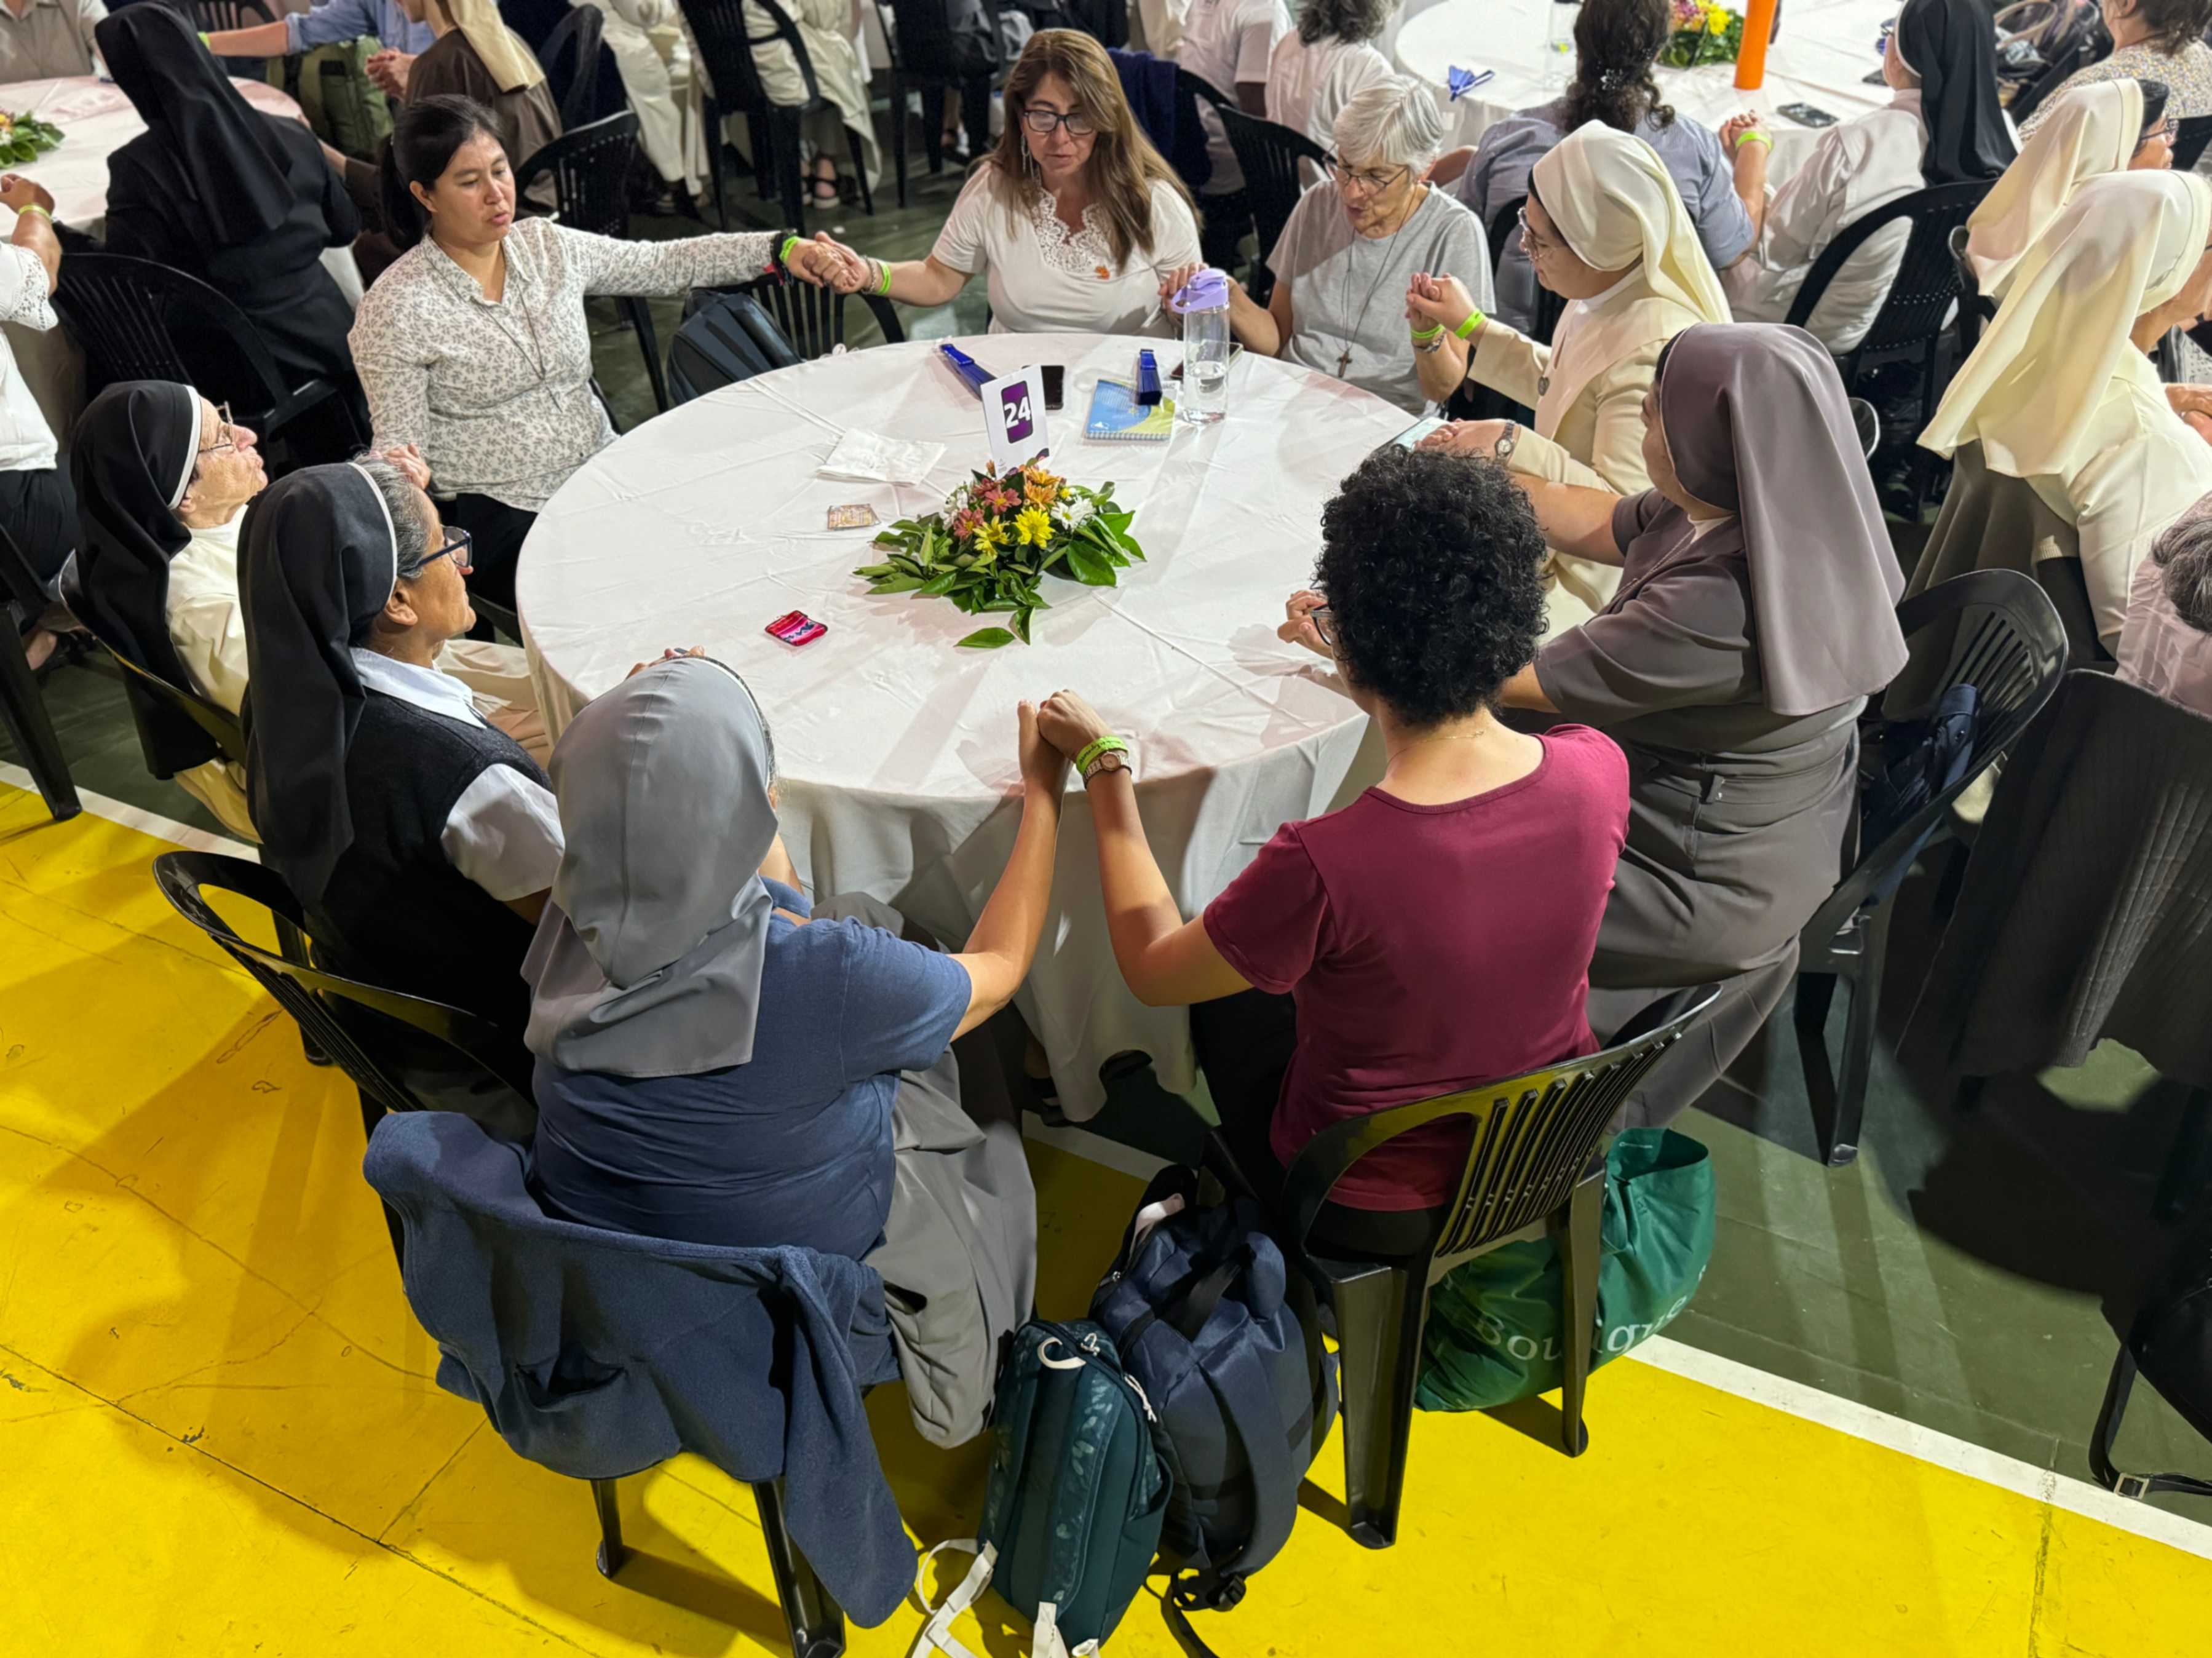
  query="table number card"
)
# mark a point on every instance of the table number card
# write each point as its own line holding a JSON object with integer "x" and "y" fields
{"x": 1013, "y": 417}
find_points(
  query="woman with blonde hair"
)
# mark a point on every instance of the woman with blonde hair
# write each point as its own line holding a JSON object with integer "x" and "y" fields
{"x": 1605, "y": 228}
{"x": 1075, "y": 217}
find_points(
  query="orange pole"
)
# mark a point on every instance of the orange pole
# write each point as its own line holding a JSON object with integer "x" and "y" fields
{"x": 1751, "y": 56}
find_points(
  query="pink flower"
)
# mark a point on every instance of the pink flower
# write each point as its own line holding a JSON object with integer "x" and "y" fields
{"x": 963, "y": 524}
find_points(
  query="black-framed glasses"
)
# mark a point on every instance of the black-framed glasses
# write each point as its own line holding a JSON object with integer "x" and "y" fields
{"x": 460, "y": 547}
{"x": 1372, "y": 180}
{"x": 1042, "y": 121}
{"x": 1324, "y": 618}
{"x": 225, "y": 436}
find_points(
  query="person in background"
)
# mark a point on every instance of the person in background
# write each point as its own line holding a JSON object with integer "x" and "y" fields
{"x": 420, "y": 841}
{"x": 2109, "y": 126}
{"x": 37, "y": 509}
{"x": 719, "y": 1062}
{"x": 2165, "y": 643}
{"x": 1228, "y": 45}
{"x": 1318, "y": 67}
{"x": 2063, "y": 445}
{"x": 331, "y": 23}
{"x": 1075, "y": 216}
{"x": 827, "y": 29}
{"x": 40, "y": 38}
{"x": 1616, "y": 44}
{"x": 2161, "y": 40}
{"x": 1436, "y": 932}
{"x": 1944, "y": 125}
{"x": 653, "y": 52}
{"x": 1755, "y": 615}
{"x": 473, "y": 347}
{"x": 241, "y": 199}
{"x": 1605, "y": 228}
{"x": 1352, "y": 245}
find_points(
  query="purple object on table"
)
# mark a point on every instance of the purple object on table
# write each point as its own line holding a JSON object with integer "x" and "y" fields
{"x": 1460, "y": 82}
{"x": 1208, "y": 290}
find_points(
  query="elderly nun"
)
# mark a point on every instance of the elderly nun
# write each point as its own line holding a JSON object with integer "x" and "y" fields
{"x": 721, "y": 1063}
{"x": 1353, "y": 243}
{"x": 1605, "y": 228}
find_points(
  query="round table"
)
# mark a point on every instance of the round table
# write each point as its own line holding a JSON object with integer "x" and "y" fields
{"x": 897, "y": 750}
{"x": 1826, "y": 49}
{"x": 96, "y": 120}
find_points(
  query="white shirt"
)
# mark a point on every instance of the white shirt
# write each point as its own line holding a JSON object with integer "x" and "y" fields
{"x": 26, "y": 443}
{"x": 2160, "y": 652}
{"x": 1226, "y": 42}
{"x": 1043, "y": 279}
{"x": 206, "y": 622}
{"x": 1854, "y": 169}
{"x": 504, "y": 833}
{"x": 1309, "y": 86}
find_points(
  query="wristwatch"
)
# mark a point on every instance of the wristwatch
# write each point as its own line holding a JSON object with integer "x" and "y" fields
{"x": 1112, "y": 760}
{"x": 1507, "y": 440}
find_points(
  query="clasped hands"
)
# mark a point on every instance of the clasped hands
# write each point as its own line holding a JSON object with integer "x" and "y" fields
{"x": 828, "y": 263}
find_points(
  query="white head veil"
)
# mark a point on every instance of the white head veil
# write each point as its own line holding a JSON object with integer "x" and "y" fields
{"x": 1614, "y": 202}
{"x": 2089, "y": 131}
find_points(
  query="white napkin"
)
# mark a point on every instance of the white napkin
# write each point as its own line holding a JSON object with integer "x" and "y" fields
{"x": 873, "y": 459}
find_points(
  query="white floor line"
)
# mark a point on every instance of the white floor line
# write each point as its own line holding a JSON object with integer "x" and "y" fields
{"x": 1776, "y": 1393}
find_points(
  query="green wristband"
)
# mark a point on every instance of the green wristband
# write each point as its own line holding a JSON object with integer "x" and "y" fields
{"x": 1092, "y": 749}
{"x": 1475, "y": 320}
{"x": 783, "y": 253}
{"x": 1425, "y": 335}
{"x": 884, "y": 281}
{"x": 33, "y": 207}
{"x": 1753, "y": 136}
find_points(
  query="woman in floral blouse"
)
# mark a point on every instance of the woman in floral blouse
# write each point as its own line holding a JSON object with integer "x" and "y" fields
{"x": 473, "y": 348}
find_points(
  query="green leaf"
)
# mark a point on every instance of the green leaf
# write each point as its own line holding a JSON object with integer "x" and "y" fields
{"x": 1021, "y": 622}
{"x": 1116, "y": 522}
{"x": 941, "y": 583}
{"x": 1089, "y": 566}
{"x": 872, "y": 571}
{"x": 986, "y": 639}
{"x": 896, "y": 584}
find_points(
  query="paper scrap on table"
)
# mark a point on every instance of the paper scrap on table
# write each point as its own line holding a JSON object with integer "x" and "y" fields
{"x": 874, "y": 458}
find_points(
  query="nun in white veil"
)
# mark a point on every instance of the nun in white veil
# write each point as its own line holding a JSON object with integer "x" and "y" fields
{"x": 2088, "y": 132}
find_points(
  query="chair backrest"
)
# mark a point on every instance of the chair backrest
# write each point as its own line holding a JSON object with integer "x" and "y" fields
{"x": 726, "y": 42}
{"x": 1269, "y": 155}
{"x": 811, "y": 320}
{"x": 148, "y": 689}
{"x": 1534, "y": 1135}
{"x": 214, "y": 16}
{"x": 570, "y": 58}
{"x": 1866, "y": 423}
{"x": 2004, "y": 639}
{"x": 184, "y": 877}
{"x": 591, "y": 172}
{"x": 1927, "y": 281}
{"x": 19, "y": 583}
{"x": 1504, "y": 226}
{"x": 2067, "y": 43}
{"x": 919, "y": 36}
{"x": 2194, "y": 133}
{"x": 1976, "y": 308}
{"x": 127, "y": 314}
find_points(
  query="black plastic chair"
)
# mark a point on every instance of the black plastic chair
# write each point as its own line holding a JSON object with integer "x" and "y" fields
{"x": 919, "y": 36}
{"x": 1868, "y": 424}
{"x": 812, "y": 319}
{"x": 1269, "y": 154}
{"x": 23, "y": 709}
{"x": 1227, "y": 213}
{"x": 1927, "y": 284}
{"x": 1976, "y": 309}
{"x": 1504, "y": 225}
{"x": 591, "y": 170}
{"x": 725, "y": 43}
{"x": 150, "y": 697}
{"x": 2192, "y": 133}
{"x": 1532, "y": 1168}
{"x": 127, "y": 315}
{"x": 570, "y": 57}
{"x": 2085, "y": 42}
{"x": 2002, "y": 636}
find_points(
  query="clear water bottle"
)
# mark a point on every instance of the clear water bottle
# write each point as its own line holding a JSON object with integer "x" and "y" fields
{"x": 1560, "y": 41}
{"x": 1203, "y": 304}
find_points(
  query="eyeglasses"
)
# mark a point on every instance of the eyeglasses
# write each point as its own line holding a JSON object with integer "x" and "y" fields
{"x": 1042, "y": 121}
{"x": 1324, "y": 624}
{"x": 460, "y": 547}
{"x": 225, "y": 438}
{"x": 2168, "y": 130}
{"x": 1371, "y": 182}
{"x": 1532, "y": 241}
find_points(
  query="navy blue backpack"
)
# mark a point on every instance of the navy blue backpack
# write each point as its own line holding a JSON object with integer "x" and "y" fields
{"x": 1227, "y": 1346}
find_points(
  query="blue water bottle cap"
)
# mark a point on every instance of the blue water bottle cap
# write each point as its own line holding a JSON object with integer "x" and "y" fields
{"x": 1207, "y": 291}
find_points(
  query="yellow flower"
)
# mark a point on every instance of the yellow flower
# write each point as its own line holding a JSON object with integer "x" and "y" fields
{"x": 990, "y": 533}
{"x": 1035, "y": 525}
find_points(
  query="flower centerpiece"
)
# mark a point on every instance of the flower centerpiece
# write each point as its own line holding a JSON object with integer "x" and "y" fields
{"x": 24, "y": 138}
{"x": 996, "y": 541}
{"x": 1705, "y": 32}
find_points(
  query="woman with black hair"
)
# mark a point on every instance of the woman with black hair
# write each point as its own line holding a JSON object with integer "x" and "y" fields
{"x": 1616, "y": 43}
{"x": 1943, "y": 125}
{"x": 1321, "y": 64}
{"x": 1436, "y": 932}
{"x": 473, "y": 348}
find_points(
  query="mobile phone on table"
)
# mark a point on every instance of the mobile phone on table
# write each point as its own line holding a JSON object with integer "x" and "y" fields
{"x": 796, "y": 627}
{"x": 1055, "y": 376}
{"x": 1412, "y": 436}
{"x": 1807, "y": 115}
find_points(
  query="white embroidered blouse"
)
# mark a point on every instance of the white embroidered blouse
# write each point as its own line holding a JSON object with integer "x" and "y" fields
{"x": 1044, "y": 278}
{"x": 498, "y": 396}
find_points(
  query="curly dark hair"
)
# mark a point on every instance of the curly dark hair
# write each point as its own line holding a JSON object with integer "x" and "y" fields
{"x": 1433, "y": 565}
{"x": 1344, "y": 20}
{"x": 1616, "y": 43}
{"x": 2175, "y": 23}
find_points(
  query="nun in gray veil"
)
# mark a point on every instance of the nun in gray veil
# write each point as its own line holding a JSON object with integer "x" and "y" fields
{"x": 721, "y": 1063}
{"x": 1756, "y": 613}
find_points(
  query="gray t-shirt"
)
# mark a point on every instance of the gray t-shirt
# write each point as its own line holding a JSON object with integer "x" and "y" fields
{"x": 1348, "y": 291}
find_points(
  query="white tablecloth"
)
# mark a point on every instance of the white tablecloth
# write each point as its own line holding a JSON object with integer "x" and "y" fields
{"x": 897, "y": 750}
{"x": 1826, "y": 50}
{"x": 96, "y": 120}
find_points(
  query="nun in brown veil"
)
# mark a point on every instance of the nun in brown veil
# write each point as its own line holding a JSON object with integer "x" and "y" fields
{"x": 1754, "y": 617}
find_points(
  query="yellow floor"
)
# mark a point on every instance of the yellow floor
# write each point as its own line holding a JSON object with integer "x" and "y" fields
{"x": 218, "y": 1434}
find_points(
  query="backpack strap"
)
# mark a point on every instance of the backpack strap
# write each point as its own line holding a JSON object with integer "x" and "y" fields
{"x": 937, "y": 1634}
{"x": 1249, "y": 1401}
{"x": 2137, "y": 1485}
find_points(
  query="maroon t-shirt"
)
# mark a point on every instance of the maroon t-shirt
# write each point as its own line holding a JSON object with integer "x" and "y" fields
{"x": 1429, "y": 948}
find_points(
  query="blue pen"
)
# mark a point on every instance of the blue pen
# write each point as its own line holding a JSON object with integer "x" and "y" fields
{"x": 1148, "y": 379}
{"x": 967, "y": 368}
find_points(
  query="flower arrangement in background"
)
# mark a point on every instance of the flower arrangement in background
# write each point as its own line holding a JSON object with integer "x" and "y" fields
{"x": 997, "y": 538}
{"x": 1705, "y": 32}
{"x": 26, "y": 137}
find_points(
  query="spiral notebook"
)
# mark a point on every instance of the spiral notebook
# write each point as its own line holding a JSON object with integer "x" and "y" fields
{"x": 1117, "y": 418}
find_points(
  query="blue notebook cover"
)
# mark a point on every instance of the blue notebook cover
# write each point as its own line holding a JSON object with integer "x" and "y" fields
{"x": 1116, "y": 416}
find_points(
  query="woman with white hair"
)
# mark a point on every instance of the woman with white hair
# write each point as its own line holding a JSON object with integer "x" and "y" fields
{"x": 2165, "y": 643}
{"x": 1353, "y": 245}
{"x": 1606, "y": 229}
